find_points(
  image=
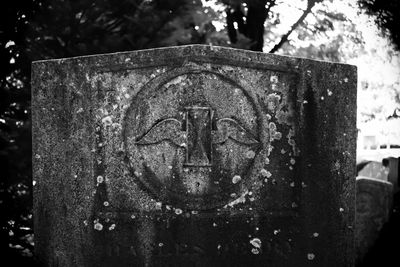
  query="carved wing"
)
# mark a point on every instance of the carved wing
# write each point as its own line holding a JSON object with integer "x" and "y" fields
{"x": 166, "y": 130}
{"x": 229, "y": 128}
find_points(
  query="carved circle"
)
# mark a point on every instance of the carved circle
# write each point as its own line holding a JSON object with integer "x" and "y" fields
{"x": 193, "y": 138}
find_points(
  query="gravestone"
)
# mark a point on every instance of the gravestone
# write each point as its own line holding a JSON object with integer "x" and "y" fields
{"x": 373, "y": 202}
{"x": 394, "y": 170}
{"x": 193, "y": 156}
{"x": 375, "y": 169}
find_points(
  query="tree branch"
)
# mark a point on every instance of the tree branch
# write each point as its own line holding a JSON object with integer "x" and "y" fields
{"x": 285, "y": 37}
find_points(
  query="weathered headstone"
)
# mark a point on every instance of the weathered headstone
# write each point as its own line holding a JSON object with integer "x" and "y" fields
{"x": 394, "y": 170}
{"x": 194, "y": 156}
{"x": 373, "y": 202}
{"x": 375, "y": 170}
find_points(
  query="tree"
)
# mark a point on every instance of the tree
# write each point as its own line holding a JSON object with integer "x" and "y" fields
{"x": 387, "y": 16}
{"x": 15, "y": 145}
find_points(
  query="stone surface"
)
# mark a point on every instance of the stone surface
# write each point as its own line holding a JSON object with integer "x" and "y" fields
{"x": 393, "y": 175}
{"x": 194, "y": 156}
{"x": 375, "y": 170}
{"x": 373, "y": 202}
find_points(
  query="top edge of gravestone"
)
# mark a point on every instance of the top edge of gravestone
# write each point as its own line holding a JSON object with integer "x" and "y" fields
{"x": 189, "y": 52}
{"x": 365, "y": 178}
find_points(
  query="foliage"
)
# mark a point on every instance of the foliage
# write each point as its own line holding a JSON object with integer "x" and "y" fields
{"x": 15, "y": 135}
{"x": 387, "y": 16}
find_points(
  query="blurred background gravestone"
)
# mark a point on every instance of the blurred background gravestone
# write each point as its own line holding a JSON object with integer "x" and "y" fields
{"x": 194, "y": 156}
{"x": 374, "y": 203}
{"x": 393, "y": 165}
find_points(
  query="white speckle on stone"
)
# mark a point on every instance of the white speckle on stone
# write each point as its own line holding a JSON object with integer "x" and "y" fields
{"x": 290, "y": 168}
{"x": 106, "y": 203}
{"x": 270, "y": 148}
{"x": 315, "y": 234}
{"x": 236, "y": 179}
{"x": 85, "y": 223}
{"x": 100, "y": 179}
{"x": 294, "y": 205}
{"x": 250, "y": 154}
{"x": 255, "y": 242}
{"x": 241, "y": 199}
{"x": 277, "y": 231}
{"x": 273, "y": 79}
{"x": 33, "y": 182}
{"x": 170, "y": 167}
{"x": 329, "y": 92}
{"x": 341, "y": 209}
{"x": 98, "y": 226}
{"x": 303, "y": 185}
{"x": 278, "y": 136}
{"x": 80, "y": 110}
{"x": 255, "y": 251}
{"x": 266, "y": 160}
{"x": 112, "y": 227}
{"x": 292, "y": 161}
{"x": 322, "y": 98}
{"x": 219, "y": 246}
{"x": 176, "y": 80}
{"x": 215, "y": 225}
{"x": 310, "y": 256}
{"x": 158, "y": 205}
{"x": 283, "y": 151}
{"x": 160, "y": 244}
{"x": 133, "y": 216}
{"x": 265, "y": 173}
{"x": 37, "y": 156}
{"x": 178, "y": 211}
{"x": 346, "y": 80}
{"x": 337, "y": 165}
{"x": 107, "y": 121}
{"x": 292, "y": 184}
{"x": 127, "y": 95}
